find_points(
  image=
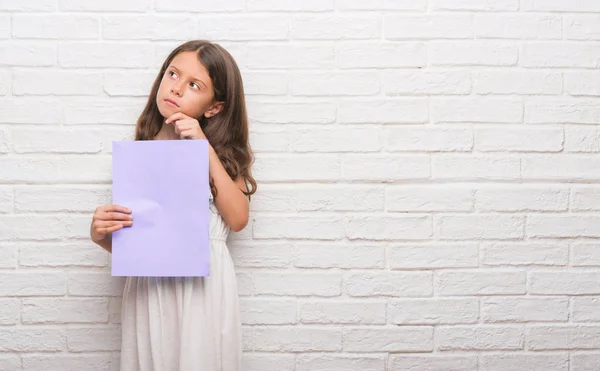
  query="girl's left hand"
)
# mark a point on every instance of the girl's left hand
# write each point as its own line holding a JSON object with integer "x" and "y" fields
{"x": 185, "y": 126}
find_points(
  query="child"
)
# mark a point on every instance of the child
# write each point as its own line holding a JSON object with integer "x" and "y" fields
{"x": 186, "y": 324}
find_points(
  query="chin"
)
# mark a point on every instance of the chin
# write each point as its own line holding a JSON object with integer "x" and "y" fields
{"x": 164, "y": 109}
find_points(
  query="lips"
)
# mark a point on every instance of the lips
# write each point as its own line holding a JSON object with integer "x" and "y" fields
{"x": 172, "y": 102}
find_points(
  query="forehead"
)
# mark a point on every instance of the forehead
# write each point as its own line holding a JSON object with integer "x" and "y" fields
{"x": 188, "y": 62}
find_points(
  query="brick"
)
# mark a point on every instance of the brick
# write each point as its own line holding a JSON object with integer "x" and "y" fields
{"x": 262, "y": 255}
{"x": 106, "y": 338}
{"x": 434, "y": 362}
{"x": 525, "y": 253}
{"x": 59, "y": 27}
{"x": 334, "y": 84}
{"x": 563, "y": 337}
{"x": 480, "y": 282}
{"x": 8, "y": 256}
{"x": 342, "y": 312}
{"x": 564, "y": 283}
{"x": 512, "y": 139}
{"x": 386, "y": 111}
{"x": 18, "y": 111}
{"x": 61, "y": 198}
{"x": 28, "y": 283}
{"x": 335, "y": 27}
{"x": 522, "y": 198}
{"x": 490, "y": 110}
{"x": 585, "y": 254}
{"x": 388, "y": 339}
{"x": 563, "y": 226}
{"x": 268, "y": 311}
{"x": 518, "y": 26}
{"x": 297, "y": 168}
{"x": 105, "y": 6}
{"x": 586, "y": 309}
{"x": 27, "y": 54}
{"x": 310, "y": 362}
{"x": 421, "y": 198}
{"x": 128, "y": 83}
{"x": 10, "y": 312}
{"x": 67, "y": 362}
{"x": 582, "y": 138}
{"x": 324, "y": 228}
{"x": 56, "y": 141}
{"x": 335, "y": 256}
{"x": 324, "y": 197}
{"x": 5, "y": 82}
{"x": 404, "y": 5}
{"x": 434, "y": 256}
{"x": 7, "y": 199}
{"x": 94, "y": 284}
{"x": 482, "y": 337}
{"x": 582, "y": 27}
{"x": 268, "y": 362}
{"x": 105, "y": 55}
{"x": 433, "y": 311}
{"x": 473, "y": 53}
{"x": 582, "y": 83}
{"x": 567, "y": 110}
{"x": 428, "y": 139}
{"x": 394, "y": 284}
{"x": 571, "y": 167}
{"x": 426, "y": 82}
{"x": 517, "y": 82}
{"x": 53, "y": 82}
{"x": 388, "y": 227}
{"x": 297, "y": 339}
{"x": 559, "y": 54}
{"x": 279, "y": 113}
{"x": 524, "y": 361}
{"x": 33, "y": 5}
{"x": 62, "y": 254}
{"x": 114, "y": 310}
{"x": 524, "y": 309}
{"x": 478, "y": 167}
{"x": 244, "y": 27}
{"x": 290, "y": 5}
{"x": 135, "y": 27}
{"x": 290, "y": 56}
{"x": 115, "y": 111}
{"x": 10, "y": 362}
{"x": 17, "y": 227}
{"x": 5, "y": 26}
{"x": 385, "y": 167}
{"x": 560, "y": 6}
{"x": 45, "y": 311}
{"x": 31, "y": 339}
{"x": 446, "y": 26}
{"x": 586, "y": 361}
{"x": 481, "y": 226}
{"x": 265, "y": 83}
{"x": 334, "y": 139}
{"x": 384, "y": 54}
{"x": 475, "y": 5}
{"x": 290, "y": 284}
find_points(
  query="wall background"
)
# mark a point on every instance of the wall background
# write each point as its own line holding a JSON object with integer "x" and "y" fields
{"x": 429, "y": 178}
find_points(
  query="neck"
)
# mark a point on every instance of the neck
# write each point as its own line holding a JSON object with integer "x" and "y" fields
{"x": 166, "y": 132}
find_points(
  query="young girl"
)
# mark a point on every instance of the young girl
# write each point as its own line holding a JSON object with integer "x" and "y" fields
{"x": 186, "y": 324}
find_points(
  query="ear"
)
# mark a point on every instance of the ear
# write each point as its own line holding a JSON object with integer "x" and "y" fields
{"x": 214, "y": 109}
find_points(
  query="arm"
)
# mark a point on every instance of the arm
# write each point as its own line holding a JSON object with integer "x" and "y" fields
{"x": 232, "y": 203}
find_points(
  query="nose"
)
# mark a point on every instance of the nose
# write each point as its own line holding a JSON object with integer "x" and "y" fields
{"x": 176, "y": 89}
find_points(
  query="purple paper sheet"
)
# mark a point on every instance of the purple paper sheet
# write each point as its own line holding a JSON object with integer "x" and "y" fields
{"x": 165, "y": 184}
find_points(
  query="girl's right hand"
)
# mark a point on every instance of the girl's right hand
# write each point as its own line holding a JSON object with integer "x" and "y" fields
{"x": 108, "y": 219}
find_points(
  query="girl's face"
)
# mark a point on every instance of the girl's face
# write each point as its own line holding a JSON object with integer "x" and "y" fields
{"x": 186, "y": 87}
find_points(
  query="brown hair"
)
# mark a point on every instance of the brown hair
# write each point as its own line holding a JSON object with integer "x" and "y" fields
{"x": 226, "y": 131}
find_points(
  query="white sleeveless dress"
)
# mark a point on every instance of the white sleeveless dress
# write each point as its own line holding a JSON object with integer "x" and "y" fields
{"x": 185, "y": 324}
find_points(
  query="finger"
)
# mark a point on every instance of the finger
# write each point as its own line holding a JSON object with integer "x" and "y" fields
{"x": 177, "y": 116}
{"x": 108, "y": 227}
{"x": 112, "y": 208}
{"x": 116, "y": 217}
{"x": 112, "y": 229}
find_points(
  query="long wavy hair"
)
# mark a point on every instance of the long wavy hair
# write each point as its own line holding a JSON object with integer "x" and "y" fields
{"x": 226, "y": 131}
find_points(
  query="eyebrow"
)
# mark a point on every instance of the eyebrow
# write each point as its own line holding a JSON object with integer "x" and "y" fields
{"x": 195, "y": 78}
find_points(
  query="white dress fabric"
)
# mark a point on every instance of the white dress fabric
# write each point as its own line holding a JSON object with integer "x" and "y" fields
{"x": 188, "y": 323}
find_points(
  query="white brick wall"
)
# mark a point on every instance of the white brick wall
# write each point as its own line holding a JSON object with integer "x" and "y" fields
{"x": 429, "y": 178}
